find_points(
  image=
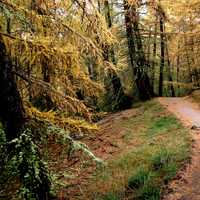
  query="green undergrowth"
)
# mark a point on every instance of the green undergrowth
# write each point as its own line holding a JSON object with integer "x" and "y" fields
{"x": 23, "y": 173}
{"x": 161, "y": 148}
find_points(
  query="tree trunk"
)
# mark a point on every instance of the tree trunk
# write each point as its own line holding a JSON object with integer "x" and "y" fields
{"x": 137, "y": 56}
{"x": 109, "y": 22}
{"x": 171, "y": 88}
{"x": 130, "y": 37}
{"x": 162, "y": 56}
{"x": 154, "y": 55}
{"x": 11, "y": 108}
{"x": 178, "y": 69}
{"x": 189, "y": 63}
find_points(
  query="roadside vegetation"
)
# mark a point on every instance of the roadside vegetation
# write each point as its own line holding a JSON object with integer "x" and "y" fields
{"x": 161, "y": 146}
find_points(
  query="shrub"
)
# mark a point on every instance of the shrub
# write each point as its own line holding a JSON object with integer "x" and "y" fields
{"x": 34, "y": 178}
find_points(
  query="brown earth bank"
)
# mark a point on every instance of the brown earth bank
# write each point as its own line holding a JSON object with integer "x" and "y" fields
{"x": 109, "y": 143}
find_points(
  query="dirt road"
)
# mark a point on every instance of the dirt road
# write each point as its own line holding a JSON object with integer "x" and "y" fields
{"x": 187, "y": 184}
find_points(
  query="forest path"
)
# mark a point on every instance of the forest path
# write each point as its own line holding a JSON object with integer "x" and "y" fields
{"x": 187, "y": 184}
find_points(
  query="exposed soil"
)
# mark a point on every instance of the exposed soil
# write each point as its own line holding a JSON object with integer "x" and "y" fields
{"x": 109, "y": 140}
{"x": 107, "y": 143}
{"x": 187, "y": 184}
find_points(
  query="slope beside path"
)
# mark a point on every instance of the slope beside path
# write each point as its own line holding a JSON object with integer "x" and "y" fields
{"x": 187, "y": 184}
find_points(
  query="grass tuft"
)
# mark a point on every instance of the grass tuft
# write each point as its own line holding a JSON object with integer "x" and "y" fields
{"x": 140, "y": 178}
{"x": 149, "y": 192}
{"x": 162, "y": 159}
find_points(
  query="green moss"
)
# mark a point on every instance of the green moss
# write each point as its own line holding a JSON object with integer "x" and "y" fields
{"x": 162, "y": 125}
